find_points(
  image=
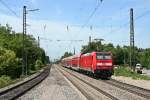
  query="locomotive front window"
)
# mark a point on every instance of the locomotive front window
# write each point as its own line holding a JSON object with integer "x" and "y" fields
{"x": 103, "y": 56}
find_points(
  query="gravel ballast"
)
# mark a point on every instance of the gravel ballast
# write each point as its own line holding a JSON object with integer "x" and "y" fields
{"x": 140, "y": 83}
{"x": 54, "y": 87}
{"x": 115, "y": 91}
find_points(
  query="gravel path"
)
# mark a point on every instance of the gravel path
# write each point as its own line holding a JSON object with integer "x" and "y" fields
{"x": 140, "y": 83}
{"x": 54, "y": 87}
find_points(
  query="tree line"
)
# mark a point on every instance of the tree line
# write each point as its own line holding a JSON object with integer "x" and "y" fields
{"x": 121, "y": 54}
{"x": 11, "y": 53}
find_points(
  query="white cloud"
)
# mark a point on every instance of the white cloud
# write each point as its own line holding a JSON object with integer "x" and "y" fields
{"x": 53, "y": 31}
{"x": 58, "y": 30}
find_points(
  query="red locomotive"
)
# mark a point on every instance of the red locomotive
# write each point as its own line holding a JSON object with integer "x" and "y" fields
{"x": 98, "y": 63}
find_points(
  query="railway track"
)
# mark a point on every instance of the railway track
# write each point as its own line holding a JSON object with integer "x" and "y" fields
{"x": 130, "y": 88}
{"x": 138, "y": 91}
{"x": 87, "y": 83}
{"x": 18, "y": 90}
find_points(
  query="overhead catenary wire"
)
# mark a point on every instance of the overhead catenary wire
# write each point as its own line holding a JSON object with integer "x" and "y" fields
{"x": 59, "y": 40}
{"x": 125, "y": 24}
{"x": 143, "y": 14}
{"x": 92, "y": 14}
{"x": 12, "y": 11}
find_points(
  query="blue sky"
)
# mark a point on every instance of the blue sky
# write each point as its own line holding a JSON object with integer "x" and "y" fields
{"x": 57, "y": 14}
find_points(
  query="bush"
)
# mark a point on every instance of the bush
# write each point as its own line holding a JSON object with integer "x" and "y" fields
{"x": 122, "y": 71}
{"x": 9, "y": 64}
{"x": 4, "y": 81}
{"x": 11, "y": 54}
{"x": 38, "y": 64}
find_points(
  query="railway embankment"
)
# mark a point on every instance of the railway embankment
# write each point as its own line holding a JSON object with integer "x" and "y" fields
{"x": 7, "y": 82}
{"x": 125, "y": 75}
{"x": 54, "y": 87}
{"x": 110, "y": 88}
{"x": 140, "y": 83}
{"x": 15, "y": 90}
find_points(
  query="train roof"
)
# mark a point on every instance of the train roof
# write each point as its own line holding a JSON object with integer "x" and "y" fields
{"x": 71, "y": 57}
{"x": 97, "y": 52}
{"x": 74, "y": 56}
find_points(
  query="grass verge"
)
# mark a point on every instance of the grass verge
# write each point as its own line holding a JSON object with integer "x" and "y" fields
{"x": 127, "y": 72}
{"x": 6, "y": 80}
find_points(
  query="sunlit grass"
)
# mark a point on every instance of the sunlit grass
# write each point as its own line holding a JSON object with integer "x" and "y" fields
{"x": 6, "y": 80}
{"x": 127, "y": 72}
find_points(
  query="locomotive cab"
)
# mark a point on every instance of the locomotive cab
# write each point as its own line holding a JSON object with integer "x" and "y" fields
{"x": 104, "y": 64}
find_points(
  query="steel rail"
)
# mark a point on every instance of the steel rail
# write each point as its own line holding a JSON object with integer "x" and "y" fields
{"x": 18, "y": 90}
{"x": 130, "y": 88}
{"x": 89, "y": 84}
{"x": 145, "y": 93}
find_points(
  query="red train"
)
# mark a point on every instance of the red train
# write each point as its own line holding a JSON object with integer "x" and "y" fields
{"x": 97, "y": 63}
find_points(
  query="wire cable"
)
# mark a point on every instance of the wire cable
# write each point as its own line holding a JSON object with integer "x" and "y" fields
{"x": 92, "y": 14}
{"x": 13, "y": 12}
{"x": 125, "y": 24}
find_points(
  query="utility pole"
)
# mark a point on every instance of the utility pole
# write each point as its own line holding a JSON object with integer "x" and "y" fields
{"x": 38, "y": 41}
{"x": 132, "y": 55}
{"x": 24, "y": 52}
{"x": 26, "y": 62}
{"x": 23, "y": 42}
{"x": 89, "y": 39}
{"x": 25, "y": 33}
{"x": 74, "y": 51}
{"x": 124, "y": 57}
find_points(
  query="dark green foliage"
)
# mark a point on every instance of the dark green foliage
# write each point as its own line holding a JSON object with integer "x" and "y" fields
{"x": 145, "y": 58}
{"x": 11, "y": 52}
{"x": 38, "y": 64}
{"x": 120, "y": 54}
{"x": 6, "y": 80}
{"x": 127, "y": 72}
{"x": 9, "y": 64}
{"x": 66, "y": 54}
{"x": 48, "y": 60}
{"x": 93, "y": 46}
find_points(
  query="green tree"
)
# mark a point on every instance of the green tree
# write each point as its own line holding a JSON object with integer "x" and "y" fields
{"x": 66, "y": 54}
{"x": 93, "y": 46}
{"x": 11, "y": 44}
{"x": 9, "y": 64}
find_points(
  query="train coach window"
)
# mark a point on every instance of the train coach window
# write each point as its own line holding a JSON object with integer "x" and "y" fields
{"x": 103, "y": 56}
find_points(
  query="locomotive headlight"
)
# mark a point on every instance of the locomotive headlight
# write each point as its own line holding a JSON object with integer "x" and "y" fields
{"x": 99, "y": 64}
{"x": 104, "y": 64}
{"x": 108, "y": 64}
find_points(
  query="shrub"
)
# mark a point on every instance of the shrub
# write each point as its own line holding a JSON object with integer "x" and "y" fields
{"x": 4, "y": 81}
{"x": 38, "y": 64}
{"x": 9, "y": 64}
